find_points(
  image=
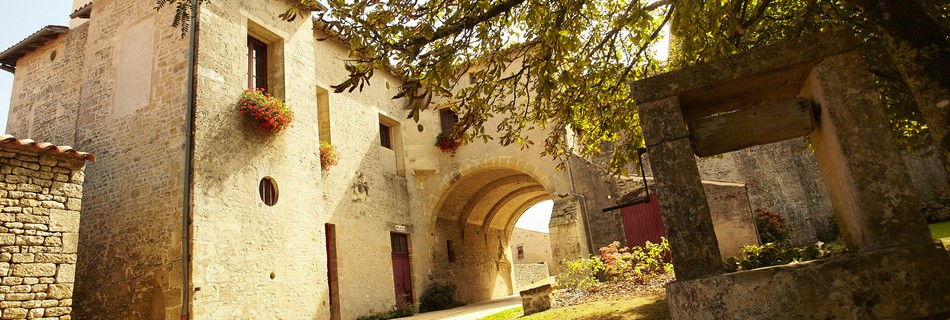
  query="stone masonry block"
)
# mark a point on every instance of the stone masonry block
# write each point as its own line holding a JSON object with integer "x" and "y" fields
{"x": 35, "y": 313}
{"x": 56, "y": 257}
{"x": 23, "y": 257}
{"x": 63, "y": 220}
{"x": 20, "y": 296}
{"x": 58, "y": 311}
{"x": 665, "y": 120}
{"x": 34, "y": 269}
{"x": 7, "y": 239}
{"x": 60, "y": 291}
{"x": 686, "y": 214}
{"x": 14, "y": 313}
{"x": 70, "y": 242}
{"x": 24, "y": 240}
{"x": 66, "y": 273}
{"x": 53, "y": 242}
{"x": 875, "y": 203}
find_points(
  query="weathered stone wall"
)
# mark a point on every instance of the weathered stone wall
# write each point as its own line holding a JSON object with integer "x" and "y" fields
{"x": 897, "y": 283}
{"x": 537, "y": 299}
{"x": 728, "y": 205}
{"x": 46, "y": 90}
{"x": 243, "y": 248}
{"x": 536, "y": 246}
{"x": 600, "y": 191}
{"x": 567, "y": 227}
{"x": 482, "y": 269}
{"x": 528, "y": 273}
{"x": 926, "y": 172}
{"x": 129, "y": 259}
{"x": 40, "y": 199}
{"x": 782, "y": 177}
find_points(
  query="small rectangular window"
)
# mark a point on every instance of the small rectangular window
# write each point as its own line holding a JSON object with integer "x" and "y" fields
{"x": 256, "y": 64}
{"x": 450, "y": 250}
{"x": 520, "y": 252}
{"x": 448, "y": 118}
{"x": 385, "y": 136}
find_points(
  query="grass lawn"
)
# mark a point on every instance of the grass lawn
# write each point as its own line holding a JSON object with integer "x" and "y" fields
{"x": 940, "y": 229}
{"x": 646, "y": 308}
{"x": 505, "y": 315}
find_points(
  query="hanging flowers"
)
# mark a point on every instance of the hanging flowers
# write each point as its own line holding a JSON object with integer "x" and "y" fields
{"x": 448, "y": 141}
{"x": 270, "y": 113}
{"x": 328, "y": 156}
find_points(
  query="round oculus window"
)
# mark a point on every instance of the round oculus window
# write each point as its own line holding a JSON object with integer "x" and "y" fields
{"x": 268, "y": 191}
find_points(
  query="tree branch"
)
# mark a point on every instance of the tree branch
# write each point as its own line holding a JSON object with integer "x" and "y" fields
{"x": 466, "y": 23}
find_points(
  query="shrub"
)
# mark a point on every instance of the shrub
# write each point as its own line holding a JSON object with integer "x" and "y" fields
{"x": 328, "y": 156}
{"x": 582, "y": 273}
{"x": 438, "y": 296}
{"x": 400, "y": 310}
{"x": 270, "y": 113}
{"x": 616, "y": 263}
{"x": 772, "y": 226}
{"x": 773, "y": 254}
{"x": 936, "y": 206}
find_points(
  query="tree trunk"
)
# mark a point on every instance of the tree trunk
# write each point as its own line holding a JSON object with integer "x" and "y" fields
{"x": 921, "y": 51}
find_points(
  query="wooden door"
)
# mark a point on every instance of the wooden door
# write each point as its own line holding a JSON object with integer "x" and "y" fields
{"x": 402, "y": 272}
{"x": 642, "y": 222}
{"x": 332, "y": 276}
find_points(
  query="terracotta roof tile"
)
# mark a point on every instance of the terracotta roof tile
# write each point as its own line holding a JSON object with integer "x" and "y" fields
{"x": 46, "y": 147}
{"x": 82, "y": 12}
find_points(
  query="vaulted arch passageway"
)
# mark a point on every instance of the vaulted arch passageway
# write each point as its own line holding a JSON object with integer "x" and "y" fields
{"x": 474, "y": 219}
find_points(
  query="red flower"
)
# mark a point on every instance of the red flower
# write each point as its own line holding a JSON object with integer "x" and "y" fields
{"x": 270, "y": 113}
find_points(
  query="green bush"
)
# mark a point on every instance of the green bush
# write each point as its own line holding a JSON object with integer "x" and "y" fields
{"x": 616, "y": 263}
{"x": 772, "y": 226}
{"x": 398, "y": 311}
{"x": 438, "y": 296}
{"x": 936, "y": 207}
{"x": 773, "y": 254}
{"x": 582, "y": 273}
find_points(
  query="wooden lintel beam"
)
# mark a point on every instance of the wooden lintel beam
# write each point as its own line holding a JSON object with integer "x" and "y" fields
{"x": 741, "y": 129}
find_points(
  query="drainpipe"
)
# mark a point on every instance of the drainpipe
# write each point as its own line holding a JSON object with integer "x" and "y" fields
{"x": 188, "y": 165}
{"x": 570, "y": 178}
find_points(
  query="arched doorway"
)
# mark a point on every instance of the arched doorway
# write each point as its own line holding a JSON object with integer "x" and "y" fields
{"x": 473, "y": 222}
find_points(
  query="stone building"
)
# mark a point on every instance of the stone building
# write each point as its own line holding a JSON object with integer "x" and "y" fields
{"x": 40, "y": 198}
{"x": 192, "y": 210}
{"x": 531, "y": 254}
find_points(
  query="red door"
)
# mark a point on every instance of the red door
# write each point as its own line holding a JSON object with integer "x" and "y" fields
{"x": 642, "y": 222}
{"x": 402, "y": 273}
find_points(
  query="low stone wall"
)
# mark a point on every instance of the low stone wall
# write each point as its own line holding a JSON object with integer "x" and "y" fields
{"x": 536, "y": 299}
{"x": 526, "y": 274}
{"x": 40, "y": 196}
{"x": 899, "y": 283}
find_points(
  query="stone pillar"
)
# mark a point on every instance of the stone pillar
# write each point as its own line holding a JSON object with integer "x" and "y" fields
{"x": 685, "y": 211}
{"x": 874, "y": 200}
{"x": 568, "y": 241}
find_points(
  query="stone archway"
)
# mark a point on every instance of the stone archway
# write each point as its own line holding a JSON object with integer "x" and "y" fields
{"x": 472, "y": 225}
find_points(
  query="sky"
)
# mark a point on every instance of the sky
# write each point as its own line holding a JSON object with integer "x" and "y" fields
{"x": 22, "y": 18}
{"x": 537, "y": 217}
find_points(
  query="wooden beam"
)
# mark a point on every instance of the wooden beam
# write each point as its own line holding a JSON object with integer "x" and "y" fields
{"x": 764, "y": 124}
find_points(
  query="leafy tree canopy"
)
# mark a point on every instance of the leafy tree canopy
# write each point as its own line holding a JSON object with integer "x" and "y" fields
{"x": 556, "y": 64}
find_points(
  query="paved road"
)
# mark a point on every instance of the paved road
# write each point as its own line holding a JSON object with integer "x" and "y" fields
{"x": 472, "y": 311}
